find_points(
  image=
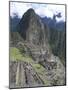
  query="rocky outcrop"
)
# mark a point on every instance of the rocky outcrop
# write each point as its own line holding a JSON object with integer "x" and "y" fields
{"x": 33, "y": 63}
{"x": 24, "y": 74}
{"x": 32, "y": 28}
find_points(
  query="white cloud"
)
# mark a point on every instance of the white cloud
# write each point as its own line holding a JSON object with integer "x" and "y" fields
{"x": 50, "y": 10}
{"x": 41, "y": 9}
{"x": 19, "y": 8}
{"x": 58, "y": 9}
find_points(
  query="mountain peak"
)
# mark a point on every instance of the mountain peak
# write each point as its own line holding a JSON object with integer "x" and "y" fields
{"x": 29, "y": 13}
{"x": 32, "y": 29}
{"x": 31, "y": 10}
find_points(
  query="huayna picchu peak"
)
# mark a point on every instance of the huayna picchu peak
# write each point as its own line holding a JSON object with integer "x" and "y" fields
{"x": 32, "y": 62}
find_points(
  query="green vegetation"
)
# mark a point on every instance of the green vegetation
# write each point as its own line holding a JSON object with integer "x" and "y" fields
{"x": 41, "y": 71}
{"x": 57, "y": 43}
{"x": 39, "y": 68}
{"x": 16, "y": 55}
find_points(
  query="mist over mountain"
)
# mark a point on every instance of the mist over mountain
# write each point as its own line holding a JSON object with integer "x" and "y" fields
{"x": 51, "y": 22}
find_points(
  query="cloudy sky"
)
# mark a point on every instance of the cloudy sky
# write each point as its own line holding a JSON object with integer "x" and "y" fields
{"x": 41, "y": 9}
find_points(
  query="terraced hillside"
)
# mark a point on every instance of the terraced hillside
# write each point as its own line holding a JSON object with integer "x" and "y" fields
{"x": 32, "y": 62}
{"x": 26, "y": 72}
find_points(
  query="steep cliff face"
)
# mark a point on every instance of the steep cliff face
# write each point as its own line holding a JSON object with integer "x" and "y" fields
{"x": 33, "y": 31}
{"x": 31, "y": 60}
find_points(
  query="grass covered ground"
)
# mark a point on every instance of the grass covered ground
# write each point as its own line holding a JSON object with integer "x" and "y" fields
{"x": 16, "y": 55}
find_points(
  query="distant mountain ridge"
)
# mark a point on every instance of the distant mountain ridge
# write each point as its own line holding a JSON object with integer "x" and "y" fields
{"x": 52, "y": 23}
